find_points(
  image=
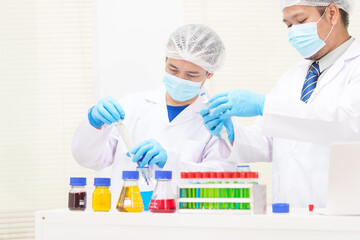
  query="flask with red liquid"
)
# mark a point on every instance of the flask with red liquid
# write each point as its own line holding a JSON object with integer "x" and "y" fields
{"x": 163, "y": 198}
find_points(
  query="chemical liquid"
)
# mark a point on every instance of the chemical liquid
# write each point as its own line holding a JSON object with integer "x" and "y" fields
{"x": 130, "y": 200}
{"x": 146, "y": 198}
{"x": 163, "y": 206}
{"x": 101, "y": 199}
{"x": 77, "y": 201}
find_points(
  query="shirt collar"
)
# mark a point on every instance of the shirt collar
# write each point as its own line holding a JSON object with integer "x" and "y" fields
{"x": 329, "y": 59}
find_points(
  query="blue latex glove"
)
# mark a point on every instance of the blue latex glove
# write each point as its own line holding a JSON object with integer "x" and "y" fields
{"x": 237, "y": 102}
{"x": 107, "y": 110}
{"x": 151, "y": 153}
{"x": 214, "y": 124}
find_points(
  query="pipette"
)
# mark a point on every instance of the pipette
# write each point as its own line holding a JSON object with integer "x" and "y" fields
{"x": 125, "y": 136}
{"x": 223, "y": 132}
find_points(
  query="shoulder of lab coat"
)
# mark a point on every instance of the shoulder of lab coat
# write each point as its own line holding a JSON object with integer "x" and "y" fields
{"x": 320, "y": 121}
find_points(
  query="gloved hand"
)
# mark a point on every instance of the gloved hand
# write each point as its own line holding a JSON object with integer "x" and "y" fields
{"x": 151, "y": 153}
{"x": 107, "y": 110}
{"x": 214, "y": 124}
{"x": 237, "y": 102}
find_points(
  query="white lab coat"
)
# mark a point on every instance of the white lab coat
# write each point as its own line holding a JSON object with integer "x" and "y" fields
{"x": 189, "y": 146}
{"x": 296, "y": 136}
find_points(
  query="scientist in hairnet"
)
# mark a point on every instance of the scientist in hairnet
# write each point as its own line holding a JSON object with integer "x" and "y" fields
{"x": 315, "y": 103}
{"x": 164, "y": 123}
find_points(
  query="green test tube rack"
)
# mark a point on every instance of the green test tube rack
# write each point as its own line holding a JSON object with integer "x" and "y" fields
{"x": 242, "y": 198}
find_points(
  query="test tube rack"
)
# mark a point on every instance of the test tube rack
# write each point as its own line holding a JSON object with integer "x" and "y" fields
{"x": 255, "y": 202}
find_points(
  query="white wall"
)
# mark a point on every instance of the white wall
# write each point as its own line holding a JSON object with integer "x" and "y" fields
{"x": 130, "y": 38}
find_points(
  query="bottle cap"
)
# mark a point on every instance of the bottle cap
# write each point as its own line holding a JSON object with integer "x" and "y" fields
{"x": 220, "y": 175}
{"x": 163, "y": 174}
{"x": 228, "y": 175}
{"x": 130, "y": 175}
{"x": 191, "y": 175}
{"x": 78, "y": 181}
{"x": 311, "y": 207}
{"x": 242, "y": 174}
{"x": 198, "y": 175}
{"x": 213, "y": 175}
{"x": 184, "y": 175}
{"x": 206, "y": 175}
{"x": 237, "y": 175}
{"x": 102, "y": 181}
{"x": 280, "y": 207}
{"x": 255, "y": 174}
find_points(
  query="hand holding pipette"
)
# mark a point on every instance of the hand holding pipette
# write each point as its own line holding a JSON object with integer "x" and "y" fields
{"x": 127, "y": 140}
{"x": 223, "y": 133}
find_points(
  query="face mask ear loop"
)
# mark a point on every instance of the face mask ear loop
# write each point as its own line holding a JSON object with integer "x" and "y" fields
{"x": 322, "y": 15}
{"x": 332, "y": 27}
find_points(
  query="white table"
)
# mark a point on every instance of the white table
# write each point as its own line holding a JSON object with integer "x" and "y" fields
{"x": 298, "y": 224}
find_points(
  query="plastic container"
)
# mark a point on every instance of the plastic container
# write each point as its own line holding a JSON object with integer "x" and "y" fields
{"x": 280, "y": 207}
{"x": 163, "y": 200}
{"x": 77, "y": 194}
{"x": 130, "y": 198}
{"x": 101, "y": 201}
{"x": 146, "y": 187}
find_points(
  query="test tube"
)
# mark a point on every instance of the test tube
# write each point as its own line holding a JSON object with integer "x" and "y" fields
{"x": 213, "y": 191}
{"x": 229, "y": 191}
{"x": 222, "y": 191}
{"x": 183, "y": 191}
{"x": 198, "y": 179}
{"x": 207, "y": 194}
{"x": 248, "y": 180}
{"x": 242, "y": 190}
{"x": 191, "y": 192}
{"x": 237, "y": 190}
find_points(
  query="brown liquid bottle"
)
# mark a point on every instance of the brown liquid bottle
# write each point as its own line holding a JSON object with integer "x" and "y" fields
{"x": 77, "y": 194}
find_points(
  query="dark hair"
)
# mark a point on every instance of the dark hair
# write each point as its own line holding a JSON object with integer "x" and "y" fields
{"x": 344, "y": 15}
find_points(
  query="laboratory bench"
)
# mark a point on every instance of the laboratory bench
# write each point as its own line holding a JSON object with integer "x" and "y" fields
{"x": 298, "y": 224}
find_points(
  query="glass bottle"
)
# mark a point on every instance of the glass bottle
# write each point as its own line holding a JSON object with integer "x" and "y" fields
{"x": 101, "y": 200}
{"x": 146, "y": 187}
{"x": 130, "y": 199}
{"x": 77, "y": 194}
{"x": 163, "y": 199}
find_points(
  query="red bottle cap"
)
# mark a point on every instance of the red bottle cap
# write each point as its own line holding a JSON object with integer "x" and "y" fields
{"x": 255, "y": 175}
{"x": 237, "y": 174}
{"x": 220, "y": 175}
{"x": 228, "y": 175}
{"x": 184, "y": 174}
{"x": 242, "y": 174}
{"x": 198, "y": 175}
{"x": 191, "y": 175}
{"x": 311, "y": 207}
{"x": 213, "y": 175}
{"x": 206, "y": 174}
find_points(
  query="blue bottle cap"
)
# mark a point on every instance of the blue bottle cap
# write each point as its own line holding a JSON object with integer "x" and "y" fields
{"x": 280, "y": 207}
{"x": 102, "y": 182}
{"x": 163, "y": 174}
{"x": 243, "y": 166}
{"x": 130, "y": 175}
{"x": 78, "y": 181}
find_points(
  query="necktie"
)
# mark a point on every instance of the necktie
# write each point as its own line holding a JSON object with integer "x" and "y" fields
{"x": 310, "y": 82}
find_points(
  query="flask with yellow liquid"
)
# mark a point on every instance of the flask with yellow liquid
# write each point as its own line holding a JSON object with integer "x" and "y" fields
{"x": 130, "y": 199}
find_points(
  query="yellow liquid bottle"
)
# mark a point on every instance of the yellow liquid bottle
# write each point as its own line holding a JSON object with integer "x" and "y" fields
{"x": 101, "y": 195}
{"x": 130, "y": 198}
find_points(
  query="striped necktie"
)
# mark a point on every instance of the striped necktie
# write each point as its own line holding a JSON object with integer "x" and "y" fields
{"x": 310, "y": 82}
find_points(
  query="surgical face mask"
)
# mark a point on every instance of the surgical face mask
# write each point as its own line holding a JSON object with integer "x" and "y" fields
{"x": 179, "y": 89}
{"x": 305, "y": 38}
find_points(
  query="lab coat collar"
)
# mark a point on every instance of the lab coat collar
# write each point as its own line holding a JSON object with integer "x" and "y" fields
{"x": 352, "y": 52}
{"x": 158, "y": 96}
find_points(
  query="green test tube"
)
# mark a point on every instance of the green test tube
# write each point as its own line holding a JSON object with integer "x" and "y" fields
{"x": 199, "y": 191}
{"x": 206, "y": 191}
{"x": 183, "y": 191}
{"x": 213, "y": 191}
{"x": 192, "y": 191}
{"x": 222, "y": 191}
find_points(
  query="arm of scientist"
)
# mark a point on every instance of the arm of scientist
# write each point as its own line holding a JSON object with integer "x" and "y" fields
{"x": 96, "y": 149}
